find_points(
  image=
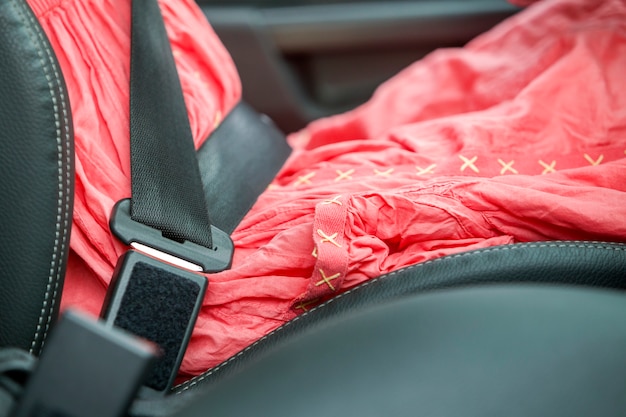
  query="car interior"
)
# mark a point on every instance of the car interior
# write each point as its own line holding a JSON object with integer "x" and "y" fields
{"x": 301, "y": 60}
{"x": 528, "y": 329}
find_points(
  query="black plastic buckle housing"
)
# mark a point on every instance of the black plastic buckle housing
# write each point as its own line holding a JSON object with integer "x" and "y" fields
{"x": 158, "y": 302}
{"x": 86, "y": 369}
{"x": 217, "y": 259}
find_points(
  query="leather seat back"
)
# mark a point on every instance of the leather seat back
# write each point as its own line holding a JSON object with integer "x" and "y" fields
{"x": 513, "y": 350}
{"x": 36, "y": 179}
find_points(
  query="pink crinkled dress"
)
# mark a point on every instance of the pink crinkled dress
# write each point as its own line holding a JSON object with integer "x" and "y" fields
{"x": 519, "y": 136}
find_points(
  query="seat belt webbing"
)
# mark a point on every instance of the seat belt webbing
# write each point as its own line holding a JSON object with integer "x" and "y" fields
{"x": 166, "y": 184}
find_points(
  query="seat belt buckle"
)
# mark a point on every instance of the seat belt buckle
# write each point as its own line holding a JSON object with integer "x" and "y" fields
{"x": 156, "y": 291}
{"x": 186, "y": 255}
{"x": 159, "y": 302}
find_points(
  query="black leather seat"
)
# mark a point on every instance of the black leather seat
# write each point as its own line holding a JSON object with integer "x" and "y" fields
{"x": 498, "y": 331}
{"x": 36, "y": 179}
{"x": 480, "y": 352}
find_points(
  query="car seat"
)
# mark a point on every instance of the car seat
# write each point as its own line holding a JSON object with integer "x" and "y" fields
{"x": 528, "y": 329}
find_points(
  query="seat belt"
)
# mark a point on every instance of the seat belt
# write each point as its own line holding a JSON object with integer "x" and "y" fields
{"x": 167, "y": 206}
{"x": 238, "y": 160}
{"x": 165, "y": 179}
{"x": 156, "y": 291}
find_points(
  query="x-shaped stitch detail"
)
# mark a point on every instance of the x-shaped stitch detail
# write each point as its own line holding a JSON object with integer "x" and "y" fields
{"x": 314, "y": 253}
{"x": 335, "y": 200}
{"x": 304, "y": 305}
{"x": 383, "y": 173}
{"x": 327, "y": 238}
{"x": 218, "y": 118}
{"x": 427, "y": 170}
{"x": 592, "y": 162}
{"x": 326, "y": 280}
{"x": 344, "y": 175}
{"x": 507, "y": 166}
{"x": 547, "y": 168}
{"x": 469, "y": 163}
{"x": 304, "y": 179}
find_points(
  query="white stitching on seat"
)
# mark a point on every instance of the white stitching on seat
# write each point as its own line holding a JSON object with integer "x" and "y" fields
{"x": 64, "y": 187}
{"x": 557, "y": 244}
{"x": 63, "y": 201}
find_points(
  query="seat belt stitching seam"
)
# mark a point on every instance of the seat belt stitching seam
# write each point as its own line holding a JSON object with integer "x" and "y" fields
{"x": 556, "y": 244}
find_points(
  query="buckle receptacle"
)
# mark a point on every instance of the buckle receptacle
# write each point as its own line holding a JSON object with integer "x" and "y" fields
{"x": 152, "y": 242}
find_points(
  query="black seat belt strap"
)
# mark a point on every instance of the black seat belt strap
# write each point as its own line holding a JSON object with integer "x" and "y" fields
{"x": 166, "y": 184}
{"x": 238, "y": 162}
{"x": 167, "y": 216}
